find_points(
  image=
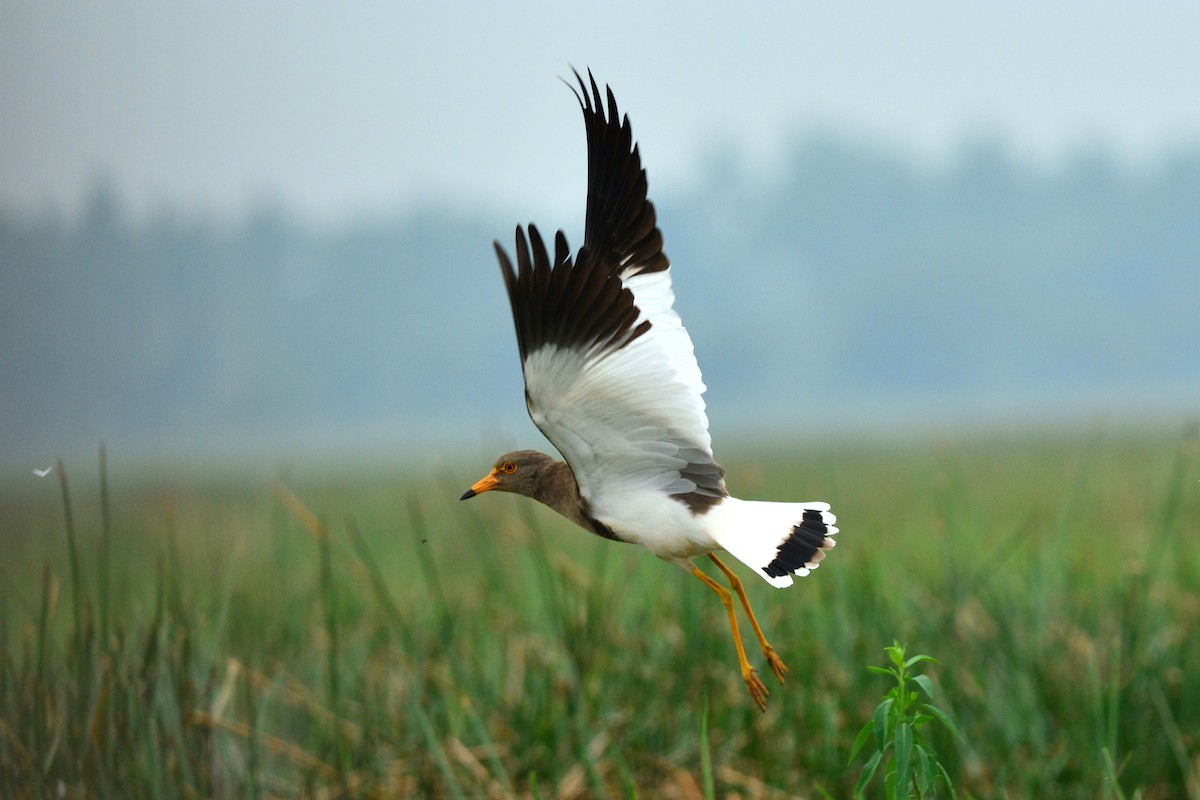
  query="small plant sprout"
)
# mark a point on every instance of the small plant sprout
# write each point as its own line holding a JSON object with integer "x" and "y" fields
{"x": 913, "y": 768}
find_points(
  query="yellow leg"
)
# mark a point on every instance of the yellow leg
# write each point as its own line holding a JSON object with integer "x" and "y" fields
{"x": 777, "y": 666}
{"x": 757, "y": 691}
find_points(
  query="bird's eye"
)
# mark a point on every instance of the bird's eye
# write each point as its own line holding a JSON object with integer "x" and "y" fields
{"x": 508, "y": 467}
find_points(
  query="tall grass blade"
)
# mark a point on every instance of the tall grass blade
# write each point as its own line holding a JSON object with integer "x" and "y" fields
{"x": 73, "y": 561}
{"x": 1188, "y": 769}
{"x": 378, "y": 582}
{"x": 253, "y": 755}
{"x": 429, "y": 570}
{"x": 549, "y": 586}
{"x": 1112, "y": 776}
{"x": 438, "y": 751}
{"x": 1185, "y": 455}
{"x": 706, "y": 767}
{"x": 104, "y": 556}
{"x": 38, "y": 704}
{"x": 495, "y": 761}
{"x": 332, "y": 660}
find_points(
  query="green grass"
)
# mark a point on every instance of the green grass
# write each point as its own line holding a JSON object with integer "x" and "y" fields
{"x": 368, "y": 635}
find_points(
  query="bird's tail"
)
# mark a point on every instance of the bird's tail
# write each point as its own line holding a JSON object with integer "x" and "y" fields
{"x": 776, "y": 540}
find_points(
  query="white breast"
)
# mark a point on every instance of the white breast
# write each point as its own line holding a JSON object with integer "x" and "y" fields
{"x": 664, "y": 526}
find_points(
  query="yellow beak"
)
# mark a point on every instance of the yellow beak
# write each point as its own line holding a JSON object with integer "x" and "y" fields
{"x": 484, "y": 484}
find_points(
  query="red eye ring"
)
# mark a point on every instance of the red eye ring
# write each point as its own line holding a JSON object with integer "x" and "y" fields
{"x": 508, "y": 467}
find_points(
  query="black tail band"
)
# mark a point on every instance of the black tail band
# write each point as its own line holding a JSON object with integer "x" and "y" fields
{"x": 800, "y": 547}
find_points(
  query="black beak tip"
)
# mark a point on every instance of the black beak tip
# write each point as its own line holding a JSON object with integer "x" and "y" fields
{"x": 469, "y": 493}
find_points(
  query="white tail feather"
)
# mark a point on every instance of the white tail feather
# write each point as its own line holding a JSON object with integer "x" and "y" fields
{"x": 753, "y": 531}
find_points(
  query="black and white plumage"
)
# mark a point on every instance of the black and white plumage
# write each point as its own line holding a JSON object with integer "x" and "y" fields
{"x": 611, "y": 379}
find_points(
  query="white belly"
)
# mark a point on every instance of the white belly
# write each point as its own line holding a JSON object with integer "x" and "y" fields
{"x": 664, "y": 526}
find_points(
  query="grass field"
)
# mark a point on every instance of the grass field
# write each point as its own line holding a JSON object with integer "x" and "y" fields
{"x": 183, "y": 636}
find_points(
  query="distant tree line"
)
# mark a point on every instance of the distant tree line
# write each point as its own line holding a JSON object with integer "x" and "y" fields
{"x": 850, "y": 275}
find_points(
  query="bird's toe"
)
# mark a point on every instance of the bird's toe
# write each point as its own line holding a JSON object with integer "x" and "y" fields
{"x": 758, "y": 692}
{"x": 776, "y": 663}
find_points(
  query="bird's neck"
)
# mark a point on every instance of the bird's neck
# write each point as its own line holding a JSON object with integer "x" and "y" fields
{"x": 559, "y": 490}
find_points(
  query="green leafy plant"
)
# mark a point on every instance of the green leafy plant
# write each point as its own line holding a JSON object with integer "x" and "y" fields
{"x": 913, "y": 768}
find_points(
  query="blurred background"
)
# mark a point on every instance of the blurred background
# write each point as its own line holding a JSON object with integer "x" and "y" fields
{"x": 263, "y": 232}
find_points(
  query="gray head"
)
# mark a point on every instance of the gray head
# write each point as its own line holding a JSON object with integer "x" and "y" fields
{"x": 519, "y": 471}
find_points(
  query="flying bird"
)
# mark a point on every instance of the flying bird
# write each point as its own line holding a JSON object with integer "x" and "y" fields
{"x": 611, "y": 379}
{"x": 41, "y": 473}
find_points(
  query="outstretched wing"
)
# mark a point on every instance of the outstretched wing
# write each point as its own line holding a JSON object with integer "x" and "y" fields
{"x": 610, "y": 372}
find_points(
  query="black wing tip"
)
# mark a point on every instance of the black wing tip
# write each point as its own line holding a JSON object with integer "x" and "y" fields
{"x": 621, "y": 228}
{"x": 588, "y": 98}
{"x": 592, "y": 100}
{"x": 529, "y": 239}
{"x": 578, "y": 80}
{"x": 506, "y": 266}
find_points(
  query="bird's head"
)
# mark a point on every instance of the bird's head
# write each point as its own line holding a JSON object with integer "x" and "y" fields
{"x": 517, "y": 471}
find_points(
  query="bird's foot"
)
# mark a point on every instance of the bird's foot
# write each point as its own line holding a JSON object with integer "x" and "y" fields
{"x": 757, "y": 691}
{"x": 775, "y": 662}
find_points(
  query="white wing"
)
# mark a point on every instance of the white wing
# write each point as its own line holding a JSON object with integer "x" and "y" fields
{"x": 631, "y": 414}
{"x": 610, "y": 372}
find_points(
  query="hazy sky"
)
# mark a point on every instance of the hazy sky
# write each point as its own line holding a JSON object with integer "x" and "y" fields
{"x": 338, "y": 109}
